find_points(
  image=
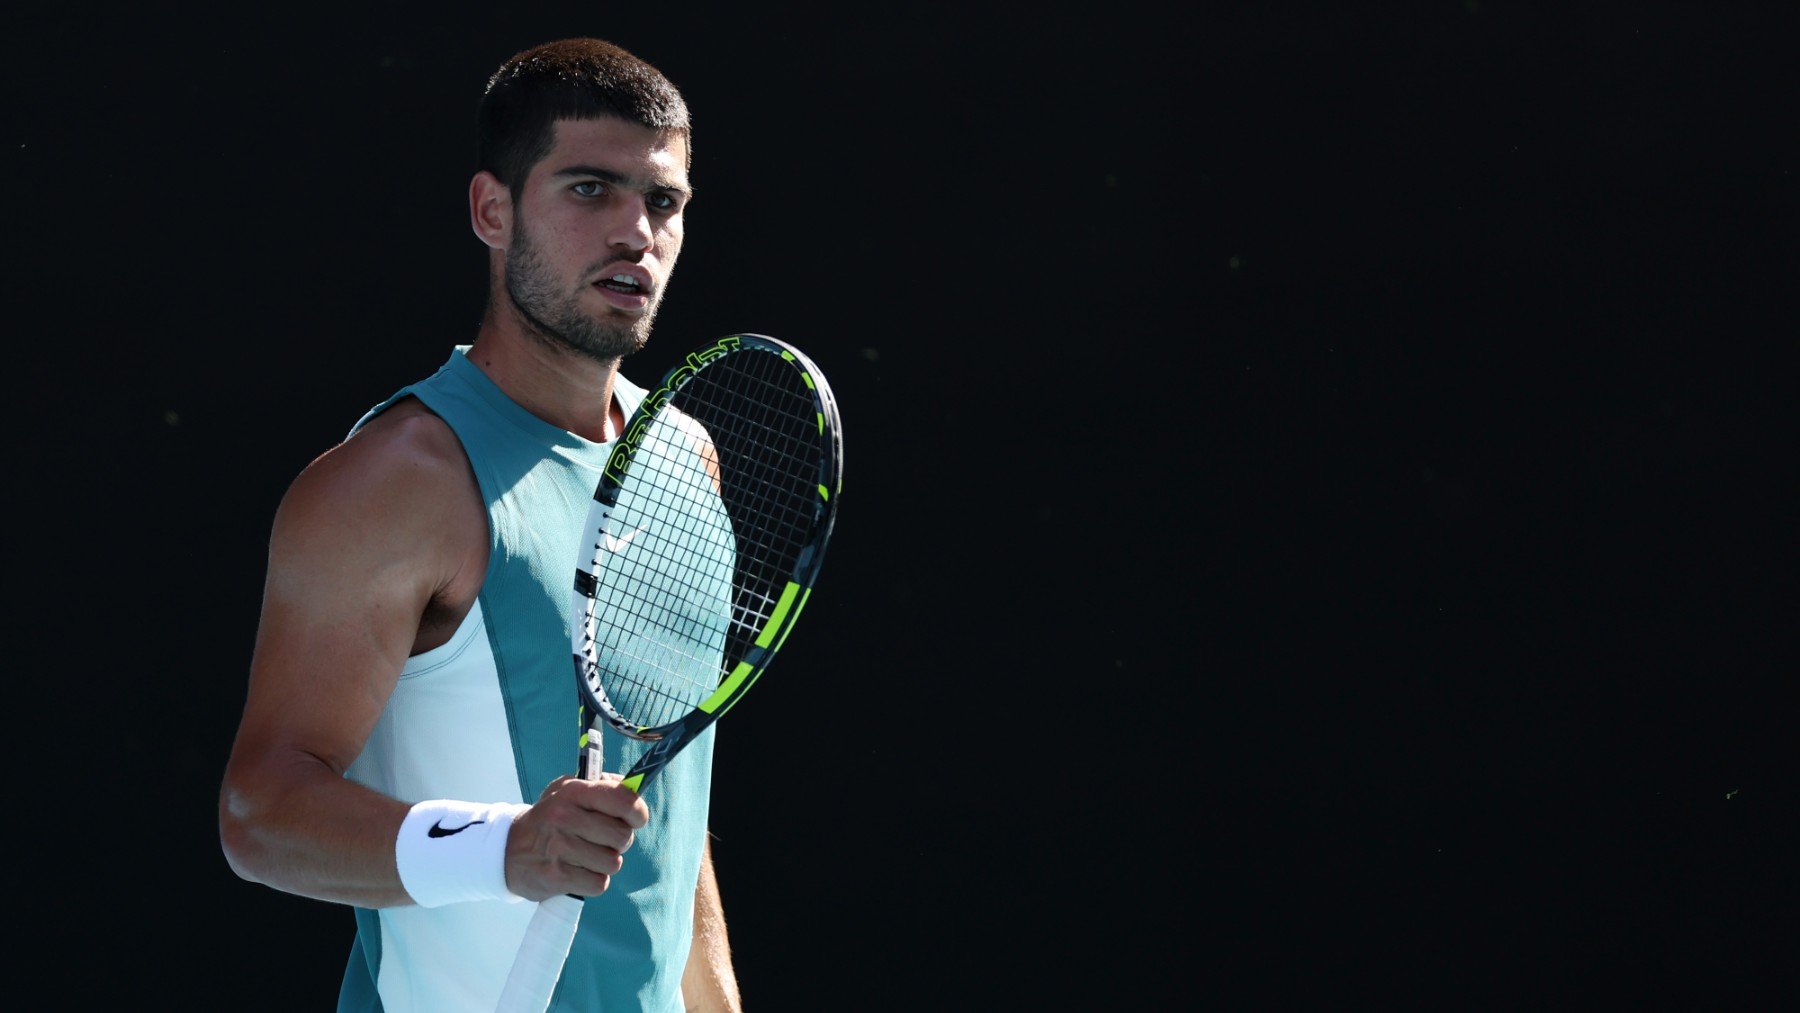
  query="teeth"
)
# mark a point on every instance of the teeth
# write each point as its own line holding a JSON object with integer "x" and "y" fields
{"x": 624, "y": 279}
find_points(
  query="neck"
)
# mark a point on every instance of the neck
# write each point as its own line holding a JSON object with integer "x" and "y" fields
{"x": 566, "y": 389}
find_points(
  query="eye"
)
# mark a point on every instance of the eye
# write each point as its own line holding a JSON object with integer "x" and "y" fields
{"x": 663, "y": 201}
{"x": 589, "y": 188}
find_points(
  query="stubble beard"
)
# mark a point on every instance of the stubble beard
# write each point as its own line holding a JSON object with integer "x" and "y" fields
{"x": 556, "y": 317}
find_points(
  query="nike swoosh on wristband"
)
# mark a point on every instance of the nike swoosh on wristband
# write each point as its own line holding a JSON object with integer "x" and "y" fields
{"x": 437, "y": 829}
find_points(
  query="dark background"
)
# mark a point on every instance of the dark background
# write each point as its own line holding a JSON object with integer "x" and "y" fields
{"x": 1318, "y": 517}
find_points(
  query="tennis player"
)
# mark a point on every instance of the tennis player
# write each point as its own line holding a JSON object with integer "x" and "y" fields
{"x": 408, "y": 731}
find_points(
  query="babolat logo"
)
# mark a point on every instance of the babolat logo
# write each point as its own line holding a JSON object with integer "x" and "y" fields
{"x": 628, "y": 443}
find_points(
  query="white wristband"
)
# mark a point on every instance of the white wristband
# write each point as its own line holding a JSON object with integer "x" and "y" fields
{"x": 450, "y": 851}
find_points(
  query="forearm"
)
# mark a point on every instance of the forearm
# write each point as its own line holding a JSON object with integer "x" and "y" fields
{"x": 306, "y": 830}
{"x": 709, "y": 983}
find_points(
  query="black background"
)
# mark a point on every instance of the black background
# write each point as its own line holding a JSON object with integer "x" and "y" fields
{"x": 1318, "y": 509}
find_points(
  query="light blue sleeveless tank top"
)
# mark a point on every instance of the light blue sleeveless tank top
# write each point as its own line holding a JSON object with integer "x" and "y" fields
{"x": 537, "y": 481}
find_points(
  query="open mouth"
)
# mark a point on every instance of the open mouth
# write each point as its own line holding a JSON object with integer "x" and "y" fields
{"x": 622, "y": 283}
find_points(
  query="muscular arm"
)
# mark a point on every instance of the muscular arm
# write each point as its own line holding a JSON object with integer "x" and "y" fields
{"x": 709, "y": 983}
{"x": 364, "y": 540}
{"x": 378, "y": 549}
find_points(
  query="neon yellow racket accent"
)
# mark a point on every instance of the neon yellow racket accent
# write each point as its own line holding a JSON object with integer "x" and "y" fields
{"x": 729, "y": 687}
{"x": 743, "y": 669}
{"x": 635, "y": 782}
{"x": 778, "y": 618}
{"x": 778, "y": 623}
{"x": 790, "y": 626}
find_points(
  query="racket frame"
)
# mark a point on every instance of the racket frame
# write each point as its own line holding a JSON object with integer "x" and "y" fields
{"x": 668, "y": 739}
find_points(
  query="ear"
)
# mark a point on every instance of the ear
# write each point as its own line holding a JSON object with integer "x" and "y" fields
{"x": 490, "y": 210}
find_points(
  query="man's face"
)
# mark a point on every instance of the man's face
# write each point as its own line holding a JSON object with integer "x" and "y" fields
{"x": 596, "y": 229}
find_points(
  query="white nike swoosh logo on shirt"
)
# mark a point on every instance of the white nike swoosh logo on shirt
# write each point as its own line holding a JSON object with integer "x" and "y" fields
{"x": 611, "y": 544}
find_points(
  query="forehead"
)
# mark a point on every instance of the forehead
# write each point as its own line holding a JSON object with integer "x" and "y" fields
{"x": 620, "y": 145}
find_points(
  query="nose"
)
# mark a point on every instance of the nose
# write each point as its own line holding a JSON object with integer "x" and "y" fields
{"x": 631, "y": 228}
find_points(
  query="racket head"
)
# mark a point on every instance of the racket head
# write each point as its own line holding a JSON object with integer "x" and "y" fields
{"x": 707, "y": 530}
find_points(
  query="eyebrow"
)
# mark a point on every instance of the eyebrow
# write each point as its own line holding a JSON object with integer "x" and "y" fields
{"x": 619, "y": 179}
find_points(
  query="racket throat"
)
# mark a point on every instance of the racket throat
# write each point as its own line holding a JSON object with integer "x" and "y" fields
{"x": 592, "y": 760}
{"x": 655, "y": 759}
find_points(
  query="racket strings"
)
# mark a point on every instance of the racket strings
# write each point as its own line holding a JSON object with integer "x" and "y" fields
{"x": 765, "y": 422}
{"x": 657, "y": 645}
{"x": 689, "y": 572}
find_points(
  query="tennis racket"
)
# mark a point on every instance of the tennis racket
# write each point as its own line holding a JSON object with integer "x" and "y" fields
{"x": 707, "y": 530}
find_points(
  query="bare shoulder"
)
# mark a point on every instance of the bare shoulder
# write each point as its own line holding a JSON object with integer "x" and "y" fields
{"x": 401, "y": 459}
{"x": 396, "y": 506}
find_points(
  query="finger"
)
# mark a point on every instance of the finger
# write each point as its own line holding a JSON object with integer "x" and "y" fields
{"x": 563, "y": 823}
{"x": 611, "y": 799}
{"x": 586, "y": 857}
{"x": 585, "y": 883}
{"x": 563, "y": 858}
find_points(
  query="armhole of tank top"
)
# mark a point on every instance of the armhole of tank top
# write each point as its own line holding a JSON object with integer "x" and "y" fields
{"x": 448, "y": 651}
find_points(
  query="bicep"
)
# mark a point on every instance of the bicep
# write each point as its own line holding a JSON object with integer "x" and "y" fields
{"x": 353, "y": 562}
{"x": 332, "y": 636}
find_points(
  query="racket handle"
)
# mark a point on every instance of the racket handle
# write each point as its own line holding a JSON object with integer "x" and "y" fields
{"x": 539, "y": 963}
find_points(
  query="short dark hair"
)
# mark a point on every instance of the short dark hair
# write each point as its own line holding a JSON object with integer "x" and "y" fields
{"x": 569, "y": 79}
